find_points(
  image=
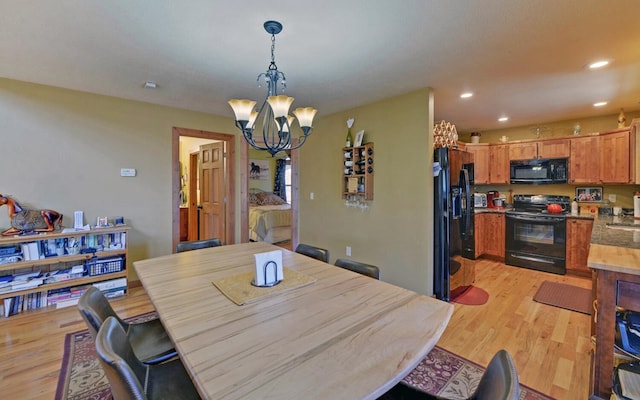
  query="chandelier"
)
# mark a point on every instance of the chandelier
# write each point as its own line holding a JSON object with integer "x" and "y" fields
{"x": 276, "y": 121}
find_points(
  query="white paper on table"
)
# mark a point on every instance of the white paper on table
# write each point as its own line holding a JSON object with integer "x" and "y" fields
{"x": 268, "y": 268}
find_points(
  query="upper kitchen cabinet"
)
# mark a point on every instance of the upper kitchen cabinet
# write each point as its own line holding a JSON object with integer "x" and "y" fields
{"x": 551, "y": 148}
{"x": 584, "y": 161}
{"x": 480, "y": 153}
{"x": 499, "y": 162}
{"x": 615, "y": 156}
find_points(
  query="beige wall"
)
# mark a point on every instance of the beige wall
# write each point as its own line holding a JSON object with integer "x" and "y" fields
{"x": 396, "y": 232}
{"x": 264, "y": 185}
{"x": 63, "y": 150}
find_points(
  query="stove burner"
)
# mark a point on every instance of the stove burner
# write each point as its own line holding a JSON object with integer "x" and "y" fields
{"x": 537, "y": 203}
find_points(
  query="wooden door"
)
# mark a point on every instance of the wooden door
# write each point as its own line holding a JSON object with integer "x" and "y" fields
{"x": 480, "y": 162}
{"x": 578, "y": 237}
{"x": 584, "y": 161}
{"x": 212, "y": 221}
{"x": 523, "y": 151}
{"x": 556, "y": 148}
{"x": 499, "y": 163}
{"x": 194, "y": 201}
{"x": 494, "y": 235}
{"x": 615, "y": 151}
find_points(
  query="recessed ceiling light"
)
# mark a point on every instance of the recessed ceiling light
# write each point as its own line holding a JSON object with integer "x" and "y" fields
{"x": 466, "y": 95}
{"x": 600, "y": 104}
{"x": 150, "y": 85}
{"x": 503, "y": 119}
{"x": 598, "y": 64}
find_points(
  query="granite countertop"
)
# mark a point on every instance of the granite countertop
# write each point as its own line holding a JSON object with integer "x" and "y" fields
{"x": 621, "y": 231}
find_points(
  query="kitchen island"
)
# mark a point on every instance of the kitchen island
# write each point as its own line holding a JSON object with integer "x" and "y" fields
{"x": 614, "y": 257}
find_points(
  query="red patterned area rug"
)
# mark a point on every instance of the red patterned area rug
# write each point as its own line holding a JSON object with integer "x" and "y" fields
{"x": 441, "y": 372}
{"x": 81, "y": 376}
{"x": 448, "y": 375}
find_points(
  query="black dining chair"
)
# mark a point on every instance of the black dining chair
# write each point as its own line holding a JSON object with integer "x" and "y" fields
{"x": 312, "y": 251}
{"x": 149, "y": 339}
{"x": 361, "y": 268}
{"x": 197, "y": 244}
{"x": 499, "y": 382}
{"x": 129, "y": 378}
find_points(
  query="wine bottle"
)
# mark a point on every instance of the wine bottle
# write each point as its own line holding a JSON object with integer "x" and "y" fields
{"x": 349, "y": 138}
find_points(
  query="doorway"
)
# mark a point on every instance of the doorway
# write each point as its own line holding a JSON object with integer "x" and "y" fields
{"x": 224, "y": 203}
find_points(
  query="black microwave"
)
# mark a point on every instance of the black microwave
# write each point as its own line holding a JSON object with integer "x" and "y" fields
{"x": 540, "y": 171}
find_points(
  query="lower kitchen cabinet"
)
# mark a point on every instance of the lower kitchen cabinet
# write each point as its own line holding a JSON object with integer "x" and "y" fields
{"x": 578, "y": 238}
{"x": 490, "y": 234}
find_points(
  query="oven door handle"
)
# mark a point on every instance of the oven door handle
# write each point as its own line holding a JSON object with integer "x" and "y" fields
{"x": 537, "y": 220}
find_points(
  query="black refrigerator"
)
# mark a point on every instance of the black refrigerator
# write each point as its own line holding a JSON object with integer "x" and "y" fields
{"x": 454, "y": 245}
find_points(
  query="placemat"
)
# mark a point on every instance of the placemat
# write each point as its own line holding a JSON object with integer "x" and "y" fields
{"x": 238, "y": 288}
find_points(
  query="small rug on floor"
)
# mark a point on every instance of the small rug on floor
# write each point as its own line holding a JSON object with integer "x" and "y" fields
{"x": 473, "y": 296}
{"x": 448, "y": 375}
{"x": 441, "y": 372}
{"x": 81, "y": 376}
{"x": 566, "y": 296}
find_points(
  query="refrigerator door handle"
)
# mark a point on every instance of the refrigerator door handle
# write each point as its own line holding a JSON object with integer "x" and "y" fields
{"x": 465, "y": 221}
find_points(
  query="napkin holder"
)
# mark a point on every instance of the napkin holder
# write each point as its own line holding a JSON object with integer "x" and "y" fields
{"x": 268, "y": 269}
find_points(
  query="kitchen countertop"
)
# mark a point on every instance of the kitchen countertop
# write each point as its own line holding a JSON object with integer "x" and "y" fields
{"x": 615, "y": 244}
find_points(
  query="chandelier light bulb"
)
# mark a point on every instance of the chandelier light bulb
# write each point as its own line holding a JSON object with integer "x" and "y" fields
{"x": 305, "y": 116}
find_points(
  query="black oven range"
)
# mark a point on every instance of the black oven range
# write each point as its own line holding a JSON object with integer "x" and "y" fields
{"x": 536, "y": 238}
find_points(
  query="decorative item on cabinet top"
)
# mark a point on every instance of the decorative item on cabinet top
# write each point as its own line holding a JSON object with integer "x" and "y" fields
{"x": 445, "y": 135}
{"x": 358, "y": 169}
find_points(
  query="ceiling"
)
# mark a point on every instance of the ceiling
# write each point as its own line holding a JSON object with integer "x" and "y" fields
{"x": 522, "y": 59}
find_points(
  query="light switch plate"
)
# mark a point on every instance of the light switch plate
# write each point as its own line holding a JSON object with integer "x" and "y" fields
{"x": 127, "y": 172}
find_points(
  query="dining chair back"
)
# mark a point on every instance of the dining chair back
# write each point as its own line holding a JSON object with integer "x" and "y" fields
{"x": 361, "y": 268}
{"x": 498, "y": 382}
{"x": 312, "y": 251}
{"x": 129, "y": 378}
{"x": 149, "y": 339}
{"x": 197, "y": 244}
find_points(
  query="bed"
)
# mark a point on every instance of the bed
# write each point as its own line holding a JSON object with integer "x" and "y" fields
{"x": 269, "y": 218}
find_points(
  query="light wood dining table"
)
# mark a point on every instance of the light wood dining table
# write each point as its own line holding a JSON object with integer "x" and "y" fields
{"x": 345, "y": 336}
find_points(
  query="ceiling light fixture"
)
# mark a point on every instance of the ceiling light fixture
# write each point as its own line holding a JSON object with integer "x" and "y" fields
{"x": 600, "y": 104}
{"x": 598, "y": 64}
{"x": 466, "y": 95}
{"x": 503, "y": 119}
{"x": 276, "y": 121}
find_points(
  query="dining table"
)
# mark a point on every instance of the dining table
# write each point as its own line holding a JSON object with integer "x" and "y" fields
{"x": 330, "y": 334}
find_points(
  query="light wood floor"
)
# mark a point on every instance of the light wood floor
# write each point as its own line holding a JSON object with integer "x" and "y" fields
{"x": 550, "y": 346}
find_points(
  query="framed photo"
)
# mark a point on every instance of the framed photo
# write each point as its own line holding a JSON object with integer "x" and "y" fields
{"x": 589, "y": 194}
{"x": 359, "y": 136}
{"x": 102, "y": 221}
{"x": 259, "y": 169}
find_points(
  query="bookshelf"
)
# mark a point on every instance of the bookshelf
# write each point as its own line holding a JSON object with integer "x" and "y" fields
{"x": 52, "y": 270}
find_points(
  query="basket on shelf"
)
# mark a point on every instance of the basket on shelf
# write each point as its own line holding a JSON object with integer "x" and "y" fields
{"x": 101, "y": 266}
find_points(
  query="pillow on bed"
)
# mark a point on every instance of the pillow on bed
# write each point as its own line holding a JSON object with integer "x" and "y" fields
{"x": 269, "y": 199}
{"x": 253, "y": 198}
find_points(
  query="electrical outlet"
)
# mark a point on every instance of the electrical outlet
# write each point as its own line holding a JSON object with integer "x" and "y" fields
{"x": 612, "y": 198}
{"x": 127, "y": 172}
{"x": 348, "y": 251}
{"x": 311, "y": 196}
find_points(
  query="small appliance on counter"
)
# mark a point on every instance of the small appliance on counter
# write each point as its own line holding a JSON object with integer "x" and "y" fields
{"x": 491, "y": 195}
{"x": 480, "y": 200}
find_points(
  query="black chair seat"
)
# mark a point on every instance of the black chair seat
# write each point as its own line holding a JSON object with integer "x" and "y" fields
{"x": 149, "y": 340}
{"x": 197, "y": 244}
{"x": 129, "y": 378}
{"x": 361, "y": 268}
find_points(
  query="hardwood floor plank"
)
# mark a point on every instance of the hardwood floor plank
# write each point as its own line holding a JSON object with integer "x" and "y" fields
{"x": 550, "y": 346}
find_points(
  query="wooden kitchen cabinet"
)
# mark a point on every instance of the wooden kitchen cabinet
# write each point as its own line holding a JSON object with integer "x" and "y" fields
{"x": 584, "y": 161}
{"x": 577, "y": 245}
{"x": 480, "y": 153}
{"x": 499, "y": 163}
{"x": 551, "y": 148}
{"x": 615, "y": 157}
{"x": 490, "y": 234}
{"x": 494, "y": 234}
